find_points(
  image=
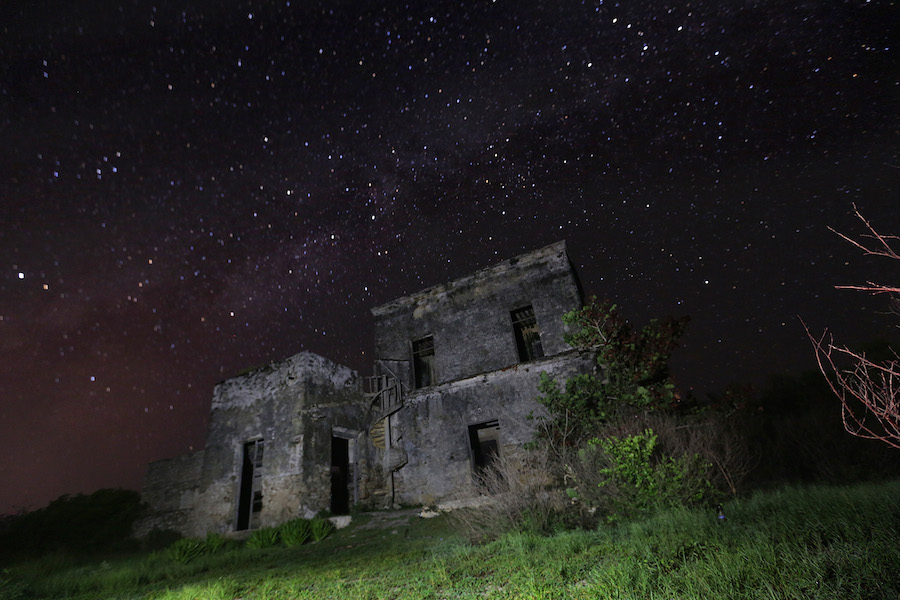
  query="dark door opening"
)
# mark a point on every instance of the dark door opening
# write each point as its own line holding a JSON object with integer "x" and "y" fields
{"x": 484, "y": 440}
{"x": 250, "y": 494}
{"x": 340, "y": 476}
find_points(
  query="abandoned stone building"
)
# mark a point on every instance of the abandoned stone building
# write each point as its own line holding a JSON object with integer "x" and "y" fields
{"x": 455, "y": 379}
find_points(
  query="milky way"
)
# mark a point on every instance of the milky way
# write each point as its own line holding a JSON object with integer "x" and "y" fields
{"x": 189, "y": 190}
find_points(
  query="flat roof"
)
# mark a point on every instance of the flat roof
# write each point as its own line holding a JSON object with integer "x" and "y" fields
{"x": 521, "y": 260}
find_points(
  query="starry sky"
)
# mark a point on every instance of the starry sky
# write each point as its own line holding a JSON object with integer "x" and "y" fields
{"x": 191, "y": 189}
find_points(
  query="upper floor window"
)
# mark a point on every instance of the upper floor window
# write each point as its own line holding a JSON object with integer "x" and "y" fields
{"x": 528, "y": 338}
{"x": 423, "y": 361}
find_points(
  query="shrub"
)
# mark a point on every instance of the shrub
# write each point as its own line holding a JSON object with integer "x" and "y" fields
{"x": 185, "y": 550}
{"x": 628, "y": 476}
{"x": 296, "y": 532}
{"x": 321, "y": 528}
{"x": 265, "y": 537}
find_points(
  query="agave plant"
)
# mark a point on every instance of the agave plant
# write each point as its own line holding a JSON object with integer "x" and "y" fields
{"x": 296, "y": 532}
{"x": 185, "y": 550}
{"x": 321, "y": 528}
{"x": 263, "y": 538}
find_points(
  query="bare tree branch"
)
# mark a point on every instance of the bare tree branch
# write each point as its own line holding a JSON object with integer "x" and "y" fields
{"x": 880, "y": 239}
{"x": 869, "y": 391}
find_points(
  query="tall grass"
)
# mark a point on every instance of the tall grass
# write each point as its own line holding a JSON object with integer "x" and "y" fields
{"x": 799, "y": 542}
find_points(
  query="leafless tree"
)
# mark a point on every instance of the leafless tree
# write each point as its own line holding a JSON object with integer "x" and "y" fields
{"x": 869, "y": 391}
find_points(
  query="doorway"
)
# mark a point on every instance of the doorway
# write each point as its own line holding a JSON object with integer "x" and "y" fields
{"x": 250, "y": 500}
{"x": 340, "y": 476}
{"x": 484, "y": 441}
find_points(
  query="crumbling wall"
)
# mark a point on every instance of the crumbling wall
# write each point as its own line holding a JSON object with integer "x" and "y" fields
{"x": 291, "y": 406}
{"x": 470, "y": 320}
{"x": 434, "y": 424}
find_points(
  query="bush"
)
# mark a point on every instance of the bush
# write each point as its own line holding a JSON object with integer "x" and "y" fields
{"x": 263, "y": 538}
{"x": 321, "y": 528}
{"x": 296, "y": 532}
{"x": 632, "y": 475}
{"x": 639, "y": 482}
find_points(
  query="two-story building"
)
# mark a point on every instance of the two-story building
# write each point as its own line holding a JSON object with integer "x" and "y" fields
{"x": 455, "y": 380}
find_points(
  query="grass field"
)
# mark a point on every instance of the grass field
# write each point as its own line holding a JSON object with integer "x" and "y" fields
{"x": 799, "y": 542}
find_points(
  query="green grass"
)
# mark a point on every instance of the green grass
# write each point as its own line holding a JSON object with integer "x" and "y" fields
{"x": 799, "y": 542}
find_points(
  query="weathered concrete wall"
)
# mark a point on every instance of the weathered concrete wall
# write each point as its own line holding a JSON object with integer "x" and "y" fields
{"x": 170, "y": 493}
{"x": 470, "y": 318}
{"x": 434, "y": 424}
{"x": 292, "y": 406}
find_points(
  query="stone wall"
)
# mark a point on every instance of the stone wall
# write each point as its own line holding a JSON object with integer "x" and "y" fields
{"x": 470, "y": 319}
{"x": 292, "y": 407}
{"x": 434, "y": 424}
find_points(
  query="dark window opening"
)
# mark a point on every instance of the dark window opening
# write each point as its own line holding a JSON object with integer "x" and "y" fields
{"x": 250, "y": 498}
{"x": 528, "y": 338}
{"x": 484, "y": 440}
{"x": 340, "y": 476}
{"x": 423, "y": 361}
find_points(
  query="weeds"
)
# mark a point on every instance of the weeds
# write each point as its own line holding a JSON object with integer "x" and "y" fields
{"x": 522, "y": 497}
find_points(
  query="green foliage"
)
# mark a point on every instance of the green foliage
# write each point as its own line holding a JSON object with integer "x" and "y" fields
{"x": 633, "y": 368}
{"x": 265, "y": 537}
{"x": 632, "y": 380}
{"x": 631, "y": 475}
{"x": 644, "y": 482}
{"x": 214, "y": 542}
{"x": 630, "y": 463}
{"x": 321, "y": 528}
{"x": 296, "y": 532}
{"x": 187, "y": 549}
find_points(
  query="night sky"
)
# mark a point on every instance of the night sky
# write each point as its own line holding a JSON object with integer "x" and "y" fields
{"x": 191, "y": 189}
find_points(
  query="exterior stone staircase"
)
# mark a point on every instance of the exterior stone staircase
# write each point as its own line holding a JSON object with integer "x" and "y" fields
{"x": 386, "y": 394}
